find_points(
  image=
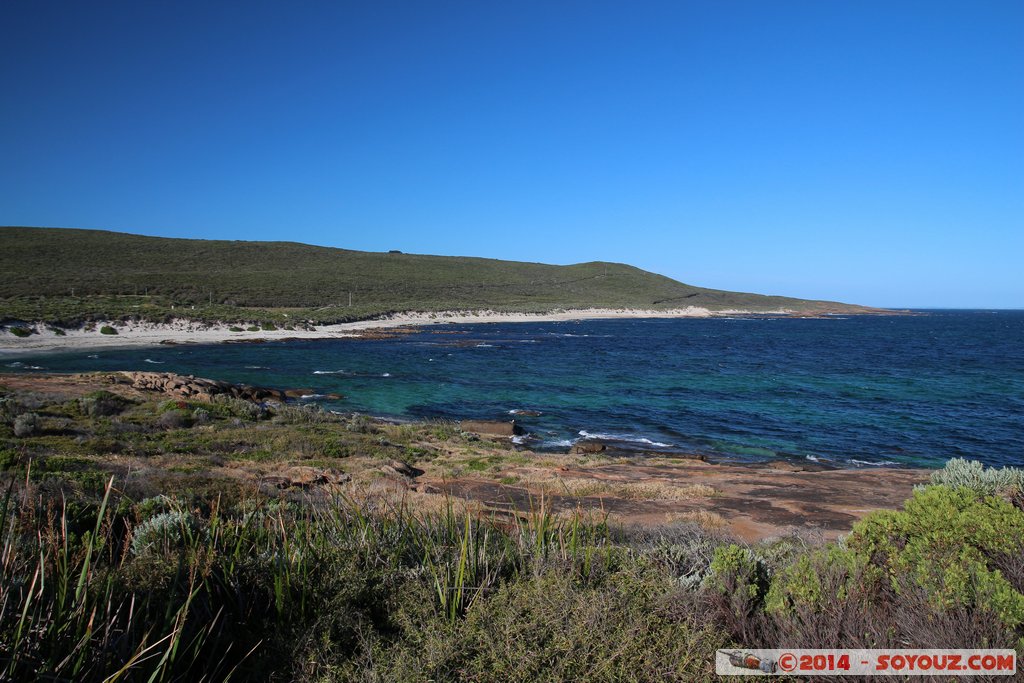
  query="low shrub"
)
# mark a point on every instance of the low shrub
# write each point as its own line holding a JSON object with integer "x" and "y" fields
{"x": 102, "y": 404}
{"x": 164, "y": 533}
{"x": 8, "y": 459}
{"x": 226, "y": 406}
{"x": 552, "y": 627}
{"x": 235, "y": 328}
{"x": 22, "y": 331}
{"x": 948, "y": 542}
{"x": 174, "y": 419}
{"x": 27, "y": 424}
{"x": 945, "y": 571}
{"x": 973, "y": 475}
{"x": 107, "y": 329}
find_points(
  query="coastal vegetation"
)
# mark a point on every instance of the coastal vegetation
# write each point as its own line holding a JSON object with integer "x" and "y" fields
{"x": 67, "y": 277}
{"x": 154, "y": 538}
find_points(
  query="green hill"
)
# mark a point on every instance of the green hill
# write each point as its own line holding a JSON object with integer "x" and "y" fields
{"x": 57, "y": 273}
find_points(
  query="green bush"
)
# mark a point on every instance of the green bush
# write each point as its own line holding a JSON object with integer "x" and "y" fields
{"x": 8, "y": 459}
{"x": 946, "y": 570}
{"x": 269, "y": 327}
{"x": 22, "y": 331}
{"x": 102, "y": 404}
{"x": 821, "y": 578}
{"x": 226, "y": 406}
{"x": 551, "y": 627}
{"x": 253, "y": 328}
{"x": 973, "y": 475}
{"x": 164, "y": 532}
{"x": 235, "y": 328}
{"x": 107, "y": 329}
{"x": 949, "y": 542}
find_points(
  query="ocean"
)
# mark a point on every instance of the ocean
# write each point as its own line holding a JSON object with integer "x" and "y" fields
{"x": 858, "y": 391}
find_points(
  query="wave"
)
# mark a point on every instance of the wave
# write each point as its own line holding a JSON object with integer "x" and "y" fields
{"x": 330, "y": 372}
{"x": 93, "y": 355}
{"x": 485, "y": 346}
{"x": 386, "y": 374}
{"x": 256, "y": 367}
{"x": 627, "y": 439}
{"x": 310, "y": 397}
{"x": 154, "y": 362}
{"x": 873, "y": 464}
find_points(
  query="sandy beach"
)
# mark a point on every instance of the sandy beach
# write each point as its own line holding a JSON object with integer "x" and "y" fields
{"x": 188, "y": 332}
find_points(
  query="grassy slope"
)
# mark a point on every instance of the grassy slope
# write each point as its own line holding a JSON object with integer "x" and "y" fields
{"x": 53, "y": 261}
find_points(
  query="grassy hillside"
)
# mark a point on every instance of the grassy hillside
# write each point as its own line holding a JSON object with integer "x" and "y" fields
{"x": 58, "y": 263}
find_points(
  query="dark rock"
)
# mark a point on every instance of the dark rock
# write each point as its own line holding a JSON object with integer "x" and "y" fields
{"x": 678, "y": 456}
{"x": 587, "y": 447}
{"x": 491, "y": 428}
{"x": 785, "y": 466}
{"x": 403, "y": 469}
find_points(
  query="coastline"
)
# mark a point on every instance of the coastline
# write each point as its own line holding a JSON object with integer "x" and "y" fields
{"x": 437, "y": 462}
{"x": 184, "y": 331}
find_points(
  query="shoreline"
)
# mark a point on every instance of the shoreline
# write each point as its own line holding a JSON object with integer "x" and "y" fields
{"x": 439, "y": 463}
{"x": 184, "y": 331}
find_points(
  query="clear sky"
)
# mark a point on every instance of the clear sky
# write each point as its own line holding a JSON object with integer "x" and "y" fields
{"x": 870, "y": 152}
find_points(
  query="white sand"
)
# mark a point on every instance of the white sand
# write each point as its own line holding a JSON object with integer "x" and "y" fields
{"x": 186, "y": 332}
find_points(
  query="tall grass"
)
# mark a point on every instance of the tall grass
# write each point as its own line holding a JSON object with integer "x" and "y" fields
{"x": 134, "y": 591}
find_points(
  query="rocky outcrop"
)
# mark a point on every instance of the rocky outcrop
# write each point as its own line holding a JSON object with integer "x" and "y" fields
{"x": 397, "y": 467}
{"x": 491, "y": 428}
{"x": 303, "y": 477}
{"x": 198, "y": 388}
{"x": 587, "y": 448}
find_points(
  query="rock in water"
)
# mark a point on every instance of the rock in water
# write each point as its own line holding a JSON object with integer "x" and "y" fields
{"x": 491, "y": 428}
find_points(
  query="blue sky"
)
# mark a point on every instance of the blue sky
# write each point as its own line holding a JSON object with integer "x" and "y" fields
{"x": 870, "y": 152}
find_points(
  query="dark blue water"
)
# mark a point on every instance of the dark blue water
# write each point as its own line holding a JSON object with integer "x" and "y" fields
{"x": 851, "y": 391}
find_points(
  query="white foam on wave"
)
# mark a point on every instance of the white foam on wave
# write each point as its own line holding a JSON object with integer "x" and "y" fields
{"x": 93, "y": 355}
{"x": 485, "y": 346}
{"x": 16, "y": 364}
{"x": 154, "y": 362}
{"x": 308, "y": 397}
{"x": 558, "y": 443}
{"x": 873, "y": 464}
{"x": 386, "y": 374}
{"x": 256, "y": 367}
{"x": 330, "y": 372}
{"x": 813, "y": 458}
{"x": 520, "y": 439}
{"x": 621, "y": 437}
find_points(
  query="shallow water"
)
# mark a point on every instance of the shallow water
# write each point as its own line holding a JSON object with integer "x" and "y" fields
{"x": 854, "y": 391}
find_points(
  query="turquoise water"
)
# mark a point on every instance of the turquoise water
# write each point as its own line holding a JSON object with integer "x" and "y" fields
{"x": 854, "y": 391}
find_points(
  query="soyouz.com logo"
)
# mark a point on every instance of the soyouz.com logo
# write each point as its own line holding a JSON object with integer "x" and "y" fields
{"x": 934, "y": 662}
